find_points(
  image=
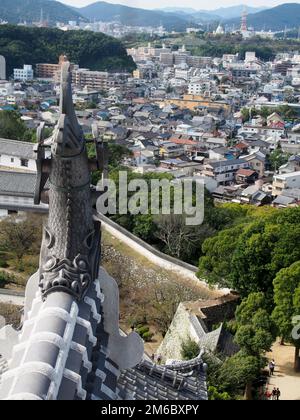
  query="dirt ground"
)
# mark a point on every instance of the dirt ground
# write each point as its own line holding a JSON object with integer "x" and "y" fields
{"x": 285, "y": 378}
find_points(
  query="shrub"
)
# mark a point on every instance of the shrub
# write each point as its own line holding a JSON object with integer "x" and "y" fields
{"x": 11, "y": 313}
{"x": 147, "y": 336}
{"x": 143, "y": 330}
{"x": 189, "y": 350}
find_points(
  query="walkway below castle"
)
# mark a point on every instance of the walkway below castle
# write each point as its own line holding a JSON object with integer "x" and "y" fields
{"x": 285, "y": 377}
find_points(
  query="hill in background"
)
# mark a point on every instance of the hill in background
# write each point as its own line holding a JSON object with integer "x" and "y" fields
{"x": 275, "y": 19}
{"x": 134, "y": 17}
{"x": 14, "y": 11}
{"x": 20, "y": 45}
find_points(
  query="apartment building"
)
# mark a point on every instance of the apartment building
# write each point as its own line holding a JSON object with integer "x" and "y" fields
{"x": 25, "y": 74}
{"x": 224, "y": 171}
{"x": 284, "y": 182}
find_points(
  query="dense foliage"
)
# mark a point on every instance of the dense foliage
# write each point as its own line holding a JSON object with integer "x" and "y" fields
{"x": 266, "y": 49}
{"x": 12, "y": 127}
{"x": 20, "y": 45}
{"x": 287, "y": 306}
{"x": 189, "y": 350}
{"x": 248, "y": 255}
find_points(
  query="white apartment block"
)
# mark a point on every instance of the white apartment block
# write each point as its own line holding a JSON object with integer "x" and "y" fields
{"x": 195, "y": 88}
{"x": 25, "y": 74}
{"x": 285, "y": 181}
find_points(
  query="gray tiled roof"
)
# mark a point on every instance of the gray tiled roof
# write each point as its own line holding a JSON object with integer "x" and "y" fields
{"x": 66, "y": 349}
{"x": 219, "y": 341}
{"x": 185, "y": 381}
{"x": 229, "y": 162}
{"x": 16, "y": 148}
{"x": 17, "y": 183}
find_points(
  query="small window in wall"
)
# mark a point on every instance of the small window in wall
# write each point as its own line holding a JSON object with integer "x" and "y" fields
{"x": 12, "y": 160}
{"x": 24, "y": 162}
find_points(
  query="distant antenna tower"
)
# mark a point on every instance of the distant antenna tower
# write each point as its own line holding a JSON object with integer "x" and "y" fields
{"x": 244, "y": 26}
{"x": 299, "y": 33}
{"x": 42, "y": 16}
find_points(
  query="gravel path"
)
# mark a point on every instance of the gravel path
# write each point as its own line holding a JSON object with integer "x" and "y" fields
{"x": 285, "y": 378}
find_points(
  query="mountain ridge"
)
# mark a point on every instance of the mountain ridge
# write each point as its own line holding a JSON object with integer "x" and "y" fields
{"x": 275, "y": 19}
{"x": 14, "y": 11}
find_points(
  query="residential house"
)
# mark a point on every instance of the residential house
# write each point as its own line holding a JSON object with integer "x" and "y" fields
{"x": 275, "y": 121}
{"x": 224, "y": 171}
{"x": 169, "y": 149}
{"x": 17, "y": 193}
{"x": 293, "y": 165}
{"x": 17, "y": 155}
{"x": 285, "y": 181}
{"x": 257, "y": 162}
{"x": 254, "y": 195}
{"x": 246, "y": 176}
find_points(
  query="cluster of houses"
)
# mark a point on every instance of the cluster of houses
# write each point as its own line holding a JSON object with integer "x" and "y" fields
{"x": 232, "y": 123}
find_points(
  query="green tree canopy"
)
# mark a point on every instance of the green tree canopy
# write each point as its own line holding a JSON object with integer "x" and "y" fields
{"x": 287, "y": 305}
{"x": 12, "y": 127}
{"x": 248, "y": 256}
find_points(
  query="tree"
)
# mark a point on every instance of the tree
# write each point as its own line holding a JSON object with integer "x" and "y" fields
{"x": 215, "y": 395}
{"x": 287, "y": 305}
{"x": 248, "y": 256}
{"x": 256, "y": 330}
{"x": 278, "y": 158}
{"x": 20, "y": 237}
{"x": 238, "y": 373}
{"x": 189, "y": 349}
{"x": 255, "y": 334}
{"x": 12, "y": 127}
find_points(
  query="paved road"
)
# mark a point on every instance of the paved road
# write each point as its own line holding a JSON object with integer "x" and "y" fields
{"x": 11, "y": 297}
{"x": 285, "y": 378}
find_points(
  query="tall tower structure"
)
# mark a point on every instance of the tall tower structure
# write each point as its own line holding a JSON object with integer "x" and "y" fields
{"x": 244, "y": 26}
{"x": 2, "y": 68}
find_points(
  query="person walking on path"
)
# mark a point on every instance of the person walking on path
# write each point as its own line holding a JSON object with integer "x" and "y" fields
{"x": 272, "y": 367}
{"x": 274, "y": 394}
{"x": 278, "y": 394}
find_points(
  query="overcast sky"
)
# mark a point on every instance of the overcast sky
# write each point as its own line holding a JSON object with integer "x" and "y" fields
{"x": 196, "y": 4}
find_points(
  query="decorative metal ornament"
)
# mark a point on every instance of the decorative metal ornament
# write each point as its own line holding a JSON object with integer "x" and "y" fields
{"x": 70, "y": 251}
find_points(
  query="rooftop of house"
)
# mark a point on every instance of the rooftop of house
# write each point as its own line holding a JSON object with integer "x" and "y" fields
{"x": 21, "y": 149}
{"x": 287, "y": 176}
{"x": 245, "y": 172}
{"x": 224, "y": 163}
{"x": 283, "y": 200}
{"x": 17, "y": 183}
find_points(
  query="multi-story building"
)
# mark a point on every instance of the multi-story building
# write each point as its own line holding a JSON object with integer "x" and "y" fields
{"x": 51, "y": 71}
{"x": 25, "y": 74}
{"x": 197, "y": 61}
{"x": 195, "y": 88}
{"x": 285, "y": 181}
{"x": 224, "y": 171}
{"x": 99, "y": 80}
{"x": 171, "y": 150}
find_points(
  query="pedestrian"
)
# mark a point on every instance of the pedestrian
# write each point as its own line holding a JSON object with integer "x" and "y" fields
{"x": 271, "y": 368}
{"x": 274, "y": 394}
{"x": 268, "y": 394}
{"x": 278, "y": 394}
